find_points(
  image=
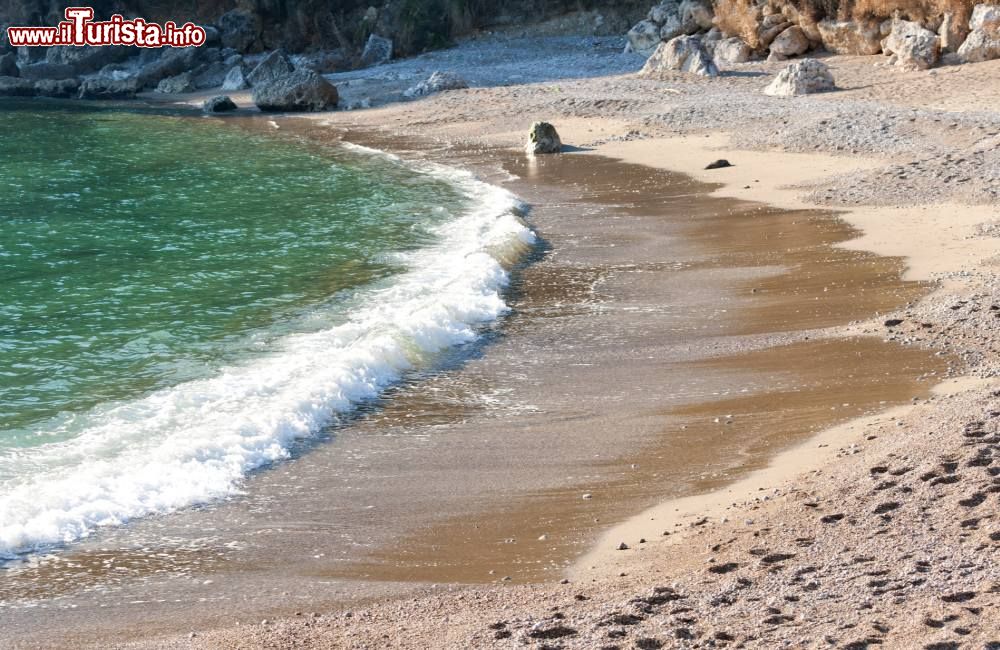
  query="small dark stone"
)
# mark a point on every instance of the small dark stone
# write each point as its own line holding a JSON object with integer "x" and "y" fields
{"x": 719, "y": 164}
{"x": 886, "y": 507}
{"x": 723, "y": 568}
{"x": 623, "y": 546}
{"x": 554, "y": 632}
{"x": 959, "y": 597}
{"x": 219, "y": 104}
{"x": 893, "y": 322}
{"x": 648, "y": 643}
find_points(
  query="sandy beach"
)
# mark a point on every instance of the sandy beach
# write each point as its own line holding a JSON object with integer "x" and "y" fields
{"x": 803, "y": 455}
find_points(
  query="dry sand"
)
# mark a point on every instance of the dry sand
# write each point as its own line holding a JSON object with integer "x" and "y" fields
{"x": 881, "y": 532}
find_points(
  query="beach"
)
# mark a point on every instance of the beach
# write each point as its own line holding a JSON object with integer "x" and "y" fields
{"x": 729, "y": 407}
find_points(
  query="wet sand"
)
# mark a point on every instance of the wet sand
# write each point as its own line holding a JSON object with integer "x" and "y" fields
{"x": 661, "y": 343}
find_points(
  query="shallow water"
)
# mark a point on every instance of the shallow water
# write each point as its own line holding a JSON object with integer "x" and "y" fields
{"x": 180, "y": 302}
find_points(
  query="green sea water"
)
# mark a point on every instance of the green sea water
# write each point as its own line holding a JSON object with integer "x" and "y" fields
{"x": 139, "y": 251}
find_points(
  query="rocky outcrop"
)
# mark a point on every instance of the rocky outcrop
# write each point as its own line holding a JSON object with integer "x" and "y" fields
{"x": 790, "y": 42}
{"x": 912, "y": 46}
{"x": 219, "y": 104}
{"x": 47, "y": 70}
{"x": 377, "y": 50}
{"x": 437, "y": 82}
{"x": 681, "y": 54}
{"x": 182, "y": 83}
{"x": 98, "y": 88}
{"x": 801, "y": 78}
{"x": 8, "y": 65}
{"x": 274, "y": 66}
{"x": 543, "y": 138}
{"x": 668, "y": 20}
{"x": 301, "y": 90}
{"x": 240, "y": 30}
{"x": 16, "y": 87}
{"x": 983, "y": 41}
{"x": 851, "y": 36}
{"x": 57, "y": 88}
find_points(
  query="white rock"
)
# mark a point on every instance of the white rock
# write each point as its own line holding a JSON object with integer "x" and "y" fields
{"x": 732, "y": 50}
{"x": 682, "y": 54}
{"x": 914, "y": 46}
{"x": 801, "y": 78}
{"x": 790, "y": 42}
{"x": 986, "y": 17}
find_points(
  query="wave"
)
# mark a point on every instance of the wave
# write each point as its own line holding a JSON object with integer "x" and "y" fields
{"x": 195, "y": 442}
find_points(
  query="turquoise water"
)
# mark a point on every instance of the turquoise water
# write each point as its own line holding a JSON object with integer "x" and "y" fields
{"x": 137, "y": 252}
{"x": 182, "y": 300}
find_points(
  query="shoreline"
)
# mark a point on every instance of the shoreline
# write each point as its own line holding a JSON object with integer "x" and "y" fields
{"x": 942, "y": 254}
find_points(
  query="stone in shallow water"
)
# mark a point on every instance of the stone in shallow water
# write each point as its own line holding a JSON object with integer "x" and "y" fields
{"x": 219, "y": 104}
{"x": 543, "y": 138}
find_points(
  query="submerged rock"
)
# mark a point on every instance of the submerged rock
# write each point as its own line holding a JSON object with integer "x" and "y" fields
{"x": 437, "y": 82}
{"x": 801, "y": 78}
{"x": 302, "y": 90}
{"x": 219, "y": 104}
{"x": 377, "y": 50}
{"x": 543, "y": 138}
{"x": 683, "y": 54}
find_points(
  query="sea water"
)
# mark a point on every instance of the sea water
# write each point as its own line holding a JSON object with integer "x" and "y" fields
{"x": 181, "y": 301}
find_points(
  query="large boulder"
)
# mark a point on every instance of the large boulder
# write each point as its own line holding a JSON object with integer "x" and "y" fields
{"x": 16, "y": 87}
{"x": 301, "y": 90}
{"x": 790, "y": 42}
{"x": 801, "y": 78}
{"x": 979, "y": 46}
{"x": 682, "y": 54}
{"x": 695, "y": 16}
{"x": 219, "y": 104}
{"x": 239, "y": 29}
{"x": 663, "y": 12}
{"x": 46, "y": 70}
{"x": 8, "y": 65}
{"x": 731, "y": 50}
{"x": 182, "y": 83}
{"x": 915, "y": 47}
{"x": 170, "y": 63}
{"x": 274, "y": 66}
{"x": 770, "y": 28}
{"x": 210, "y": 75}
{"x": 437, "y": 82}
{"x": 85, "y": 60}
{"x": 851, "y": 36}
{"x": 543, "y": 138}
{"x": 377, "y": 50}
{"x": 983, "y": 42}
{"x": 58, "y": 88}
{"x": 235, "y": 79}
{"x": 644, "y": 36}
{"x": 98, "y": 88}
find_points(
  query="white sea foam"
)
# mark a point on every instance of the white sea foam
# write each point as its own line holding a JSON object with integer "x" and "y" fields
{"x": 195, "y": 442}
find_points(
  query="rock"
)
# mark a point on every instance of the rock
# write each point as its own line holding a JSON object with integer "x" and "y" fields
{"x": 437, "y": 82}
{"x": 543, "y": 138}
{"x": 644, "y": 37}
{"x": 952, "y": 33}
{"x": 790, "y": 42}
{"x": 85, "y": 60}
{"x": 850, "y": 37}
{"x": 732, "y": 50}
{"x": 58, "y": 88}
{"x": 46, "y": 70}
{"x": 210, "y": 75}
{"x": 16, "y": 87}
{"x": 8, "y": 65}
{"x": 219, "y": 104}
{"x": 979, "y": 46}
{"x": 377, "y": 50}
{"x": 235, "y": 80}
{"x": 662, "y": 12}
{"x": 323, "y": 61}
{"x": 109, "y": 88}
{"x": 769, "y": 29}
{"x": 182, "y": 83}
{"x": 240, "y": 30}
{"x": 622, "y": 547}
{"x": 914, "y": 46}
{"x": 695, "y": 16}
{"x": 172, "y": 62}
{"x": 301, "y": 90}
{"x": 719, "y": 164}
{"x": 801, "y": 78}
{"x": 274, "y": 66}
{"x": 684, "y": 54}
{"x": 985, "y": 17}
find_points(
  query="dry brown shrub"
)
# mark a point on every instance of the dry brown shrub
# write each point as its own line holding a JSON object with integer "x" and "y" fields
{"x": 738, "y": 18}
